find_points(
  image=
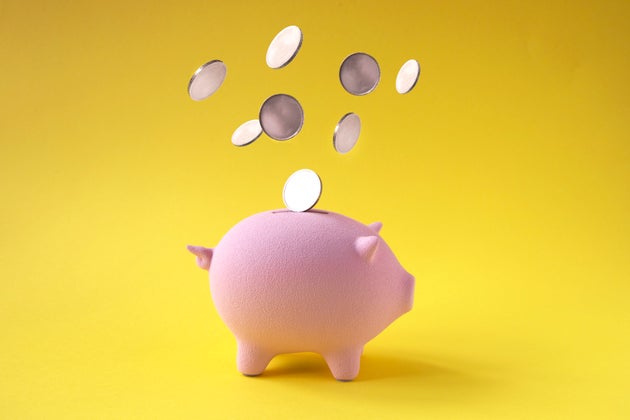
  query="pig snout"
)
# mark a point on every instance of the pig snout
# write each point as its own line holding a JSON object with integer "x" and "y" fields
{"x": 409, "y": 284}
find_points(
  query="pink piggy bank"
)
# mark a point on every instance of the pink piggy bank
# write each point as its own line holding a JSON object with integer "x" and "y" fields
{"x": 316, "y": 281}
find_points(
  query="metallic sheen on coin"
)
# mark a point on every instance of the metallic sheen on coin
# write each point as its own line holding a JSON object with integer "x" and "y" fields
{"x": 206, "y": 80}
{"x": 281, "y": 117}
{"x": 359, "y": 74}
{"x": 347, "y": 132}
{"x": 302, "y": 190}
{"x": 246, "y": 133}
{"x": 407, "y": 76}
{"x": 284, "y": 47}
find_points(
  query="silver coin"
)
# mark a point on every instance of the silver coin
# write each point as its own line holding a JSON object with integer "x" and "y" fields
{"x": 359, "y": 74}
{"x": 207, "y": 80}
{"x": 407, "y": 76}
{"x": 347, "y": 132}
{"x": 284, "y": 47}
{"x": 281, "y": 117}
{"x": 302, "y": 190}
{"x": 246, "y": 133}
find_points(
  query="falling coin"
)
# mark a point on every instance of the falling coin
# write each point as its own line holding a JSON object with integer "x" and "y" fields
{"x": 284, "y": 47}
{"x": 407, "y": 76}
{"x": 347, "y": 132}
{"x": 302, "y": 190}
{"x": 246, "y": 133}
{"x": 281, "y": 117}
{"x": 359, "y": 74}
{"x": 206, "y": 80}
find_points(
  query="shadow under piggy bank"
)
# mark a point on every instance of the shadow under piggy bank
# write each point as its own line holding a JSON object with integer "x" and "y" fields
{"x": 448, "y": 380}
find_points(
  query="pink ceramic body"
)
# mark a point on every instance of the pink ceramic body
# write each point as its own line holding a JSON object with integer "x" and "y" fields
{"x": 315, "y": 281}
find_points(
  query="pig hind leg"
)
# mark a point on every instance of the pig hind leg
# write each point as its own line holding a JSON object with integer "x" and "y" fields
{"x": 251, "y": 360}
{"x": 344, "y": 364}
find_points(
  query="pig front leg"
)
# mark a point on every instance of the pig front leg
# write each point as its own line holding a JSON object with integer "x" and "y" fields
{"x": 251, "y": 360}
{"x": 344, "y": 364}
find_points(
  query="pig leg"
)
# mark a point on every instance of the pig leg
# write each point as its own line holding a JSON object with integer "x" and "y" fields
{"x": 344, "y": 364}
{"x": 251, "y": 360}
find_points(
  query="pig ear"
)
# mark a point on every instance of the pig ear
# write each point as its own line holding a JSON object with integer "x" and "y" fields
{"x": 204, "y": 255}
{"x": 376, "y": 226}
{"x": 366, "y": 246}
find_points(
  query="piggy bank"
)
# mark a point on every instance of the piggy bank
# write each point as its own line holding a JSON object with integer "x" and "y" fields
{"x": 314, "y": 281}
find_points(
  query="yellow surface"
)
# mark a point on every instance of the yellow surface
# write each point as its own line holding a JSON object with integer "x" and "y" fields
{"x": 503, "y": 181}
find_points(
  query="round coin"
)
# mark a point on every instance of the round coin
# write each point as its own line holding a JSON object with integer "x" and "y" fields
{"x": 359, "y": 74}
{"x": 407, "y": 76}
{"x": 347, "y": 132}
{"x": 246, "y": 133}
{"x": 281, "y": 117}
{"x": 302, "y": 190}
{"x": 284, "y": 47}
{"x": 206, "y": 80}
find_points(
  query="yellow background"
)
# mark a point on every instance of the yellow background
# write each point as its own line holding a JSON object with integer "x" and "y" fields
{"x": 502, "y": 181}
